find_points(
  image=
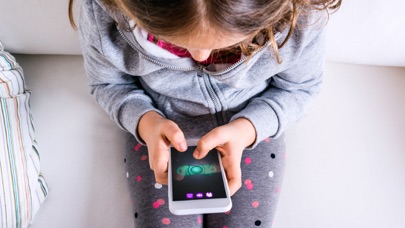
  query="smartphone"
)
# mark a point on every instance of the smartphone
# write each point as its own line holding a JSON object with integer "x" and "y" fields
{"x": 197, "y": 186}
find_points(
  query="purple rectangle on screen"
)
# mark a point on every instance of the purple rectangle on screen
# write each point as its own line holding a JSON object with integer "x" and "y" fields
{"x": 189, "y": 195}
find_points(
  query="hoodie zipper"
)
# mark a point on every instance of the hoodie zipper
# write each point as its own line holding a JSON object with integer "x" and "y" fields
{"x": 202, "y": 72}
{"x": 214, "y": 97}
{"x": 197, "y": 67}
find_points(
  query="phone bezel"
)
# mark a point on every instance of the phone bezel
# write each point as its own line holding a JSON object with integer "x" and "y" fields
{"x": 198, "y": 206}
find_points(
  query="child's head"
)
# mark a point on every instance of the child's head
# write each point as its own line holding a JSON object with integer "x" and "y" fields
{"x": 182, "y": 18}
{"x": 201, "y": 26}
{"x": 205, "y": 25}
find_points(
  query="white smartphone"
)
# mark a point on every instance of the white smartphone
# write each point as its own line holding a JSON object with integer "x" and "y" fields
{"x": 197, "y": 186}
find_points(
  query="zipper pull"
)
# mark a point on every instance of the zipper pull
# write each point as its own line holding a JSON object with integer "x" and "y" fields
{"x": 200, "y": 71}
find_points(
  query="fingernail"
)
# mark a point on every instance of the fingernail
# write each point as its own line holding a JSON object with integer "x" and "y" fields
{"x": 196, "y": 153}
{"x": 183, "y": 146}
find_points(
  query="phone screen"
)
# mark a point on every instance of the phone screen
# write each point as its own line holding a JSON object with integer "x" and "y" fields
{"x": 194, "y": 179}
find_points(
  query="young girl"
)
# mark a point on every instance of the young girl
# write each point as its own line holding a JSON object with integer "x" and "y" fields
{"x": 233, "y": 74}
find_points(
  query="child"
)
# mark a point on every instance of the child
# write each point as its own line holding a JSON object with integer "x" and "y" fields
{"x": 233, "y": 74}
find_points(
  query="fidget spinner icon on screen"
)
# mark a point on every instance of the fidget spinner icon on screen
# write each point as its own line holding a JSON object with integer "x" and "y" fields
{"x": 191, "y": 170}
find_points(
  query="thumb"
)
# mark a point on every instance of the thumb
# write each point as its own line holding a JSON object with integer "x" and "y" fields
{"x": 176, "y": 137}
{"x": 208, "y": 142}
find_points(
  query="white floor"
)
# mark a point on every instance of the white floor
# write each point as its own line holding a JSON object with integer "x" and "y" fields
{"x": 345, "y": 159}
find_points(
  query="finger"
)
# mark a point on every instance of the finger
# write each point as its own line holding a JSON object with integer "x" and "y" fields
{"x": 158, "y": 160}
{"x": 234, "y": 176}
{"x": 161, "y": 178}
{"x": 153, "y": 155}
{"x": 160, "y": 168}
{"x": 176, "y": 137}
{"x": 208, "y": 142}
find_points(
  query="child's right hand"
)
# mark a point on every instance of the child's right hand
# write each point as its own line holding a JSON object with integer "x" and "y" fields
{"x": 158, "y": 133}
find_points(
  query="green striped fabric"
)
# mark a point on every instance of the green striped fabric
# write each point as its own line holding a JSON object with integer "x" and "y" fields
{"x": 22, "y": 187}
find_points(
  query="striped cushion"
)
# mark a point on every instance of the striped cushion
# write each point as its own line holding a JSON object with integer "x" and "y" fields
{"x": 22, "y": 187}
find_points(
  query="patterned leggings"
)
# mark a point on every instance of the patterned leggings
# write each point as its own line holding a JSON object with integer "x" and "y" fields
{"x": 254, "y": 204}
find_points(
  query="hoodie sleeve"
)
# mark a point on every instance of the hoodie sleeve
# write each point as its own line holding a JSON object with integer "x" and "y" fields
{"x": 119, "y": 94}
{"x": 289, "y": 92}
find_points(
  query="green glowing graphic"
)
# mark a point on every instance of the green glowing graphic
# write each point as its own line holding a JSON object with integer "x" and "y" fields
{"x": 188, "y": 170}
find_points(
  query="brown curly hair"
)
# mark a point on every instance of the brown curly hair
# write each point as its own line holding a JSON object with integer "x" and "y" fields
{"x": 261, "y": 19}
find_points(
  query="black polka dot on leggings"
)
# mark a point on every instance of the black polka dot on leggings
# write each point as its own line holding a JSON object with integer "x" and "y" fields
{"x": 258, "y": 223}
{"x": 136, "y": 214}
{"x": 125, "y": 160}
{"x": 273, "y": 156}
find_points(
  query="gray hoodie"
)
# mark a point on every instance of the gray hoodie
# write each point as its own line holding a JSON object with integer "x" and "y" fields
{"x": 128, "y": 81}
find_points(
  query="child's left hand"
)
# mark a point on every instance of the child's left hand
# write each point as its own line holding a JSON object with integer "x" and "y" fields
{"x": 230, "y": 140}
